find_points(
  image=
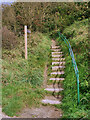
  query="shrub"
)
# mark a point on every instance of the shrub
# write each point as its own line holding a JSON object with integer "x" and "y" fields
{"x": 78, "y": 38}
{"x": 9, "y": 40}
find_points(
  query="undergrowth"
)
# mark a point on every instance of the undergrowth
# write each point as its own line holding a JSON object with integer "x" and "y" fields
{"x": 22, "y": 79}
{"x": 77, "y": 35}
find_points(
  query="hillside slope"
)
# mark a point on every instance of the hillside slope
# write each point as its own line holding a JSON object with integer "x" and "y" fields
{"x": 77, "y": 34}
{"x": 22, "y": 79}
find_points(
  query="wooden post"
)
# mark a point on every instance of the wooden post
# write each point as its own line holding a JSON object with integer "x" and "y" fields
{"x": 25, "y": 30}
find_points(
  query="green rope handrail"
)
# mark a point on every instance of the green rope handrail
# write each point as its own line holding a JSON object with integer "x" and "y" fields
{"x": 62, "y": 37}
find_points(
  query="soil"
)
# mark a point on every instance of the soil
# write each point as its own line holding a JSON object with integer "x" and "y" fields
{"x": 41, "y": 112}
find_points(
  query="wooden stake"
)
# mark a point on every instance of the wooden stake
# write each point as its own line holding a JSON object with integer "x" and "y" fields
{"x": 25, "y": 30}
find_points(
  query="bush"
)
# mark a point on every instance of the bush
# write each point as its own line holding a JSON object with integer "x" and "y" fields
{"x": 77, "y": 35}
{"x": 9, "y": 40}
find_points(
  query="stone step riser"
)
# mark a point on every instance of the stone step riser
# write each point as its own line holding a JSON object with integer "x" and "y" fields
{"x": 58, "y": 59}
{"x": 57, "y": 79}
{"x": 56, "y": 53}
{"x": 57, "y": 70}
{"x": 56, "y": 50}
{"x": 58, "y": 63}
{"x": 54, "y": 47}
{"x": 57, "y": 73}
{"x": 58, "y": 67}
{"x": 53, "y": 102}
{"x": 57, "y": 56}
{"x": 53, "y": 90}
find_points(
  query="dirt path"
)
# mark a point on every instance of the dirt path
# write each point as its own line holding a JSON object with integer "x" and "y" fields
{"x": 41, "y": 112}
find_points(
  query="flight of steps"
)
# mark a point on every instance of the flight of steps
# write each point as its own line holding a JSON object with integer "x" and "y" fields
{"x": 58, "y": 65}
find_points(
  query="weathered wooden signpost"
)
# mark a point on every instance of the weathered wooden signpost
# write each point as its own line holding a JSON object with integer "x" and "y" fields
{"x": 25, "y": 30}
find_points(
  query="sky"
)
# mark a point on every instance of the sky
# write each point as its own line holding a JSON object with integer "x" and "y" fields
{"x": 7, "y": 1}
{"x": 10, "y": 1}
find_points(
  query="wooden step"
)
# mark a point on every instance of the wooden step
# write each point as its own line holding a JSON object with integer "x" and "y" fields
{"x": 54, "y": 89}
{"x": 57, "y": 79}
{"x": 57, "y": 67}
{"x": 58, "y": 59}
{"x": 59, "y": 73}
{"x": 58, "y": 63}
{"x": 53, "y": 102}
{"x": 56, "y": 50}
{"x": 55, "y": 47}
{"x": 57, "y": 55}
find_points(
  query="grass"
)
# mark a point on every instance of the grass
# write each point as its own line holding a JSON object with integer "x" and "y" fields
{"x": 22, "y": 79}
{"x": 19, "y": 96}
{"x": 77, "y": 34}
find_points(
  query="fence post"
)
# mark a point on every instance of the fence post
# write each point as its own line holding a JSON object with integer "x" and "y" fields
{"x": 25, "y": 30}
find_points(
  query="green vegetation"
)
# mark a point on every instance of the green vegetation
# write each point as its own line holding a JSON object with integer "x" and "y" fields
{"x": 22, "y": 78}
{"x": 77, "y": 34}
{"x": 41, "y": 16}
